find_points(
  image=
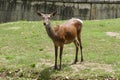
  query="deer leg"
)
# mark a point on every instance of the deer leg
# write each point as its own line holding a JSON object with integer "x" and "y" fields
{"x": 77, "y": 47}
{"x": 61, "y": 50}
{"x": 80, "y": 42}
{"x": 56, "y": 54}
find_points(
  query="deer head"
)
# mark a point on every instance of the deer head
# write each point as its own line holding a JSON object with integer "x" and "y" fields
{"x": 46, "y": 17}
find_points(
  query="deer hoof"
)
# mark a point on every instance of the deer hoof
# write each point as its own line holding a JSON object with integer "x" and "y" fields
{"x": 75, "y": 62}
{"x": 55, "y": 67}
{"x": 82, "y": 60}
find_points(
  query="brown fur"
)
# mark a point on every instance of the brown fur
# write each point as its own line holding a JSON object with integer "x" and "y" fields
{"x": 65, "y": 33}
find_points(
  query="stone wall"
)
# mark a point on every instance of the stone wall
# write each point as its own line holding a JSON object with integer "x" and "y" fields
{"x": 13, "y": 10}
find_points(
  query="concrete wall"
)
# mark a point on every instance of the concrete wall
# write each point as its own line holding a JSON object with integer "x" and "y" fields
{"x": 13, "y": 10}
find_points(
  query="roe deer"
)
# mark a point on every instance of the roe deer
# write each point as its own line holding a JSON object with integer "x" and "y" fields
{"x": 65, "y": 33}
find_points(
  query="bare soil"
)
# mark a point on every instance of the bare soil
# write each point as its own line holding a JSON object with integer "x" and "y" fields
{"x": 113, "y": 34}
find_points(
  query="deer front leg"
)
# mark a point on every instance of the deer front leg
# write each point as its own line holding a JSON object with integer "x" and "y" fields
{"x": 61, "y": 50}
{"x": 56, "y": 54}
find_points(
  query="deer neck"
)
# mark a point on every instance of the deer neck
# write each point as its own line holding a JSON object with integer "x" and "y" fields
{"x": 50, "y": 31}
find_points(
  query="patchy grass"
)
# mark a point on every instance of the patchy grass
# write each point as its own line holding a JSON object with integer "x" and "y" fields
{"x": 27, "y": 53}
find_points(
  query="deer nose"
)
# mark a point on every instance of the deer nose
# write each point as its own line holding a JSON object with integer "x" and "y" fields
{"x": 44, "y": 23}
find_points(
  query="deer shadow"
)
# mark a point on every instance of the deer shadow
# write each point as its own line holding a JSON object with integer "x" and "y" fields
{"x": 46, "y": 73}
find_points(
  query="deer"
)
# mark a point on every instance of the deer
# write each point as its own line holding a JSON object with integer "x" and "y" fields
{"x": 66, "y": 33}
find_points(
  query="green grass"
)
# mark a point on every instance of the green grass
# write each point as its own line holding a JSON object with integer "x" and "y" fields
{"x": 26, "y": 52}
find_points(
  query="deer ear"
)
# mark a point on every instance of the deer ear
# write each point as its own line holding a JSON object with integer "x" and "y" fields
{"x": 39, "y": 13}
{"x": 53, "y": 14}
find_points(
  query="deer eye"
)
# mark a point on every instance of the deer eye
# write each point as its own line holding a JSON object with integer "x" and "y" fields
{"x": 43, "y": 17}
{"x": 48, "y": 17}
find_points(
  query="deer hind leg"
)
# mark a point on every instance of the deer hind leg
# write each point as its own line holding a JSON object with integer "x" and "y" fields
{"x": 80, "y": 42}
{"x": 77, "y": 47}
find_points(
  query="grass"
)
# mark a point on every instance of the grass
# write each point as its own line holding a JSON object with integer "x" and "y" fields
{"x": 27, "y": 53}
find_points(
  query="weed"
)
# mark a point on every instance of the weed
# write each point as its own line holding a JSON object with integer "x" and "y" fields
{"x": 26, "y": 52}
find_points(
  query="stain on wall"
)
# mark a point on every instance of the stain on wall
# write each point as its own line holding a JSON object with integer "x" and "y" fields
{"x": 14, "y": 10}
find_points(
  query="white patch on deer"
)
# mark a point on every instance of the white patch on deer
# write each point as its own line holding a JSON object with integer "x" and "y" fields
{"x": 78, "y": 20}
